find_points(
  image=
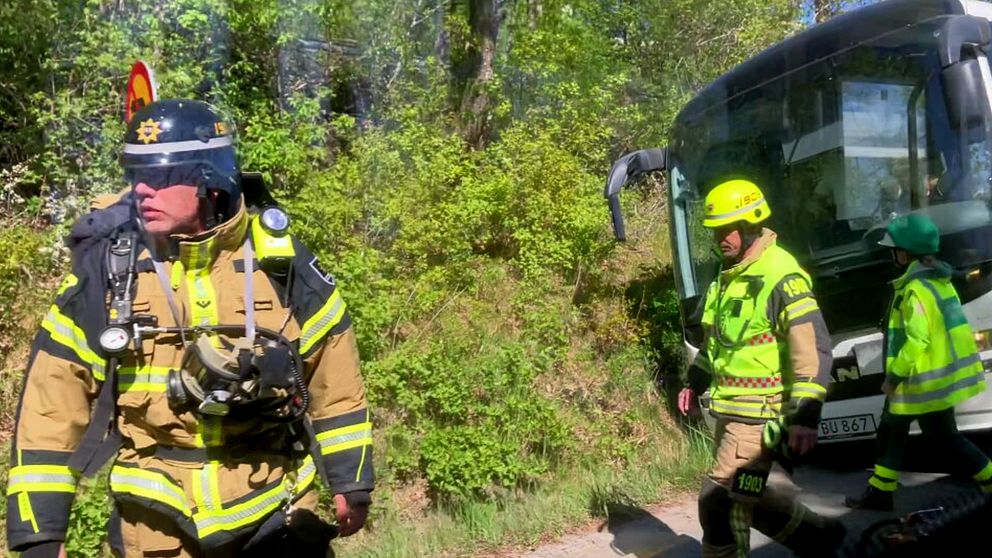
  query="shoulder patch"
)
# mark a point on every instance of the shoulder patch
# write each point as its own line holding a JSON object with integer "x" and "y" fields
{"x": 70, "y": 281}
{"x": 324, "y": 275}
{"x": 794, "y": 287}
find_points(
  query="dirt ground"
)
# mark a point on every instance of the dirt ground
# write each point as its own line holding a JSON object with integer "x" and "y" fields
{"x": 671, "y": 530}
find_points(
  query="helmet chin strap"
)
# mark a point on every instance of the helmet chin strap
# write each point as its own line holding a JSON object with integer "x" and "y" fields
{"x": 749, "y": 235}
{"x": 208, "y": 211}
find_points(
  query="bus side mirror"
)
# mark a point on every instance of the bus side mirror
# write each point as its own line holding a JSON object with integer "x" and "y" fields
{"x": 962, "y": 40}
{"x": 964, "y": 93}
{"x": 626, "y": 168}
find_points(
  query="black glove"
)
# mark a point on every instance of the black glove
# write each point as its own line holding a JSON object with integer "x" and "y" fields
{"x": 699, "y": 380}
{"x": 807, "y": 413}
{"x": 49, "y": 549}
{"x": 358, "y": 498}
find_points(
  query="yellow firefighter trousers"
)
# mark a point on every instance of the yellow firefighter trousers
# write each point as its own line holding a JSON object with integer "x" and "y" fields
{"x": 777, "y": 514}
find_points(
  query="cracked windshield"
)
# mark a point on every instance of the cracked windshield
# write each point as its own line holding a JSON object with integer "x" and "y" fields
{"x": 495, "y": 278}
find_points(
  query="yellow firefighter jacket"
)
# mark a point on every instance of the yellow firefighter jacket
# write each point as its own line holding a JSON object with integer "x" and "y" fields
{"x": 217, "y": 479}
{"x": 765, "y": 338}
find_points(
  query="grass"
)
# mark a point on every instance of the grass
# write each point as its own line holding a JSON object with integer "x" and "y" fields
{"x": 672, "y": 465}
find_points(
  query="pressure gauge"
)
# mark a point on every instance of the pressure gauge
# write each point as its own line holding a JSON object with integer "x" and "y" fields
{"x": 275, "y": 221}
{"x": 114, "y": 339}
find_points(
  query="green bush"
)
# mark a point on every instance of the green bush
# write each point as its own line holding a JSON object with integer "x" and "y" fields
{"x": 88, "y": 519}
{"x": 27, "y": 267}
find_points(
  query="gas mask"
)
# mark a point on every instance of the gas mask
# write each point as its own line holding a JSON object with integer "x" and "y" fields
{"x": 223, "y": 375}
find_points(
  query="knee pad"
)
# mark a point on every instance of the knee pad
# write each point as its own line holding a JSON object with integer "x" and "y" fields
{"x": 714, "y": 514}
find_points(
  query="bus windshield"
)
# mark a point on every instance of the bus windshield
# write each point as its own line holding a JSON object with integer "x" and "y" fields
{"x": 840, "y": 146}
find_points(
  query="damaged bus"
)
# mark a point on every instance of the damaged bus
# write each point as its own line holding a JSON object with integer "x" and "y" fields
{"x": 879, "y": 112}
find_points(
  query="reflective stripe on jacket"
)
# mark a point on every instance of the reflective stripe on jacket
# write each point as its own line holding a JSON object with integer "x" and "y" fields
{"x": 931, "y": 353}
{"x": 193, "y": 497}
{"x": 747, "y": 317}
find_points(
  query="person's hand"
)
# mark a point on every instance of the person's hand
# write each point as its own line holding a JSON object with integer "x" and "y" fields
{"x": 888, "y": 388}
{"x": 687, "y": 401}
{"x": 802, "y": 439}
{"x": 350, "y": 518}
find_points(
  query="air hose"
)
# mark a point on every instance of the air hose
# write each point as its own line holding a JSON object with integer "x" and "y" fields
{"x": 960, "y": 523}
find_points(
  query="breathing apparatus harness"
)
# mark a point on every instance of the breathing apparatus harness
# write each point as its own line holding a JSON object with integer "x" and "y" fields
{"x": 259, "y": 373}
{"x": 241, "y": 372}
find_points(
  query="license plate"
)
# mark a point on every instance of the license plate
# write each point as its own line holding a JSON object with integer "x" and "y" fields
{"x": 845, "y": 427}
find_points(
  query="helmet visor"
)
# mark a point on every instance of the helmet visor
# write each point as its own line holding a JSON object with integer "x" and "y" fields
{"x": 887, "y": 241}
{"x": 216, "y": 169}
{"x": 164, "y": 177}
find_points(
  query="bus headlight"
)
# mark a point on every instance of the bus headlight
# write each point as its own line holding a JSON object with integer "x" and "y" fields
{"x": 984, "y": 340}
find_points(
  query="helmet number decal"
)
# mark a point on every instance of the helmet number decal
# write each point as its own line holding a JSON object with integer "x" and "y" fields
{"x": 748, "y": 199}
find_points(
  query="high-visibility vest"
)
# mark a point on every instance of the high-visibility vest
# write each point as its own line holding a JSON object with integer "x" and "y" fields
{"x": 743, "y": 352}
{"x": 930, "y": 347}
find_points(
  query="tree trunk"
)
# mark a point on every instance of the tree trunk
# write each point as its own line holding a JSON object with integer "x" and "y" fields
{"x": 442, "y": 44}
{"x": 534, "y": 11}
{"x": 484, "y": 22}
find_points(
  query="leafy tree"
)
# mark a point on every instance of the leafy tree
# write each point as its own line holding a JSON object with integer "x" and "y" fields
{"x": 445, "y": 156}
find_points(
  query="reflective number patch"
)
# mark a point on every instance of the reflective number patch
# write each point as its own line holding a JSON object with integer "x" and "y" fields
{"x": 747, "y": 482}
{"x": 795, "y": 287}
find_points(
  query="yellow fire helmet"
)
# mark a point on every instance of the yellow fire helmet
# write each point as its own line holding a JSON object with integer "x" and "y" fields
{"x": 733, "y": 201}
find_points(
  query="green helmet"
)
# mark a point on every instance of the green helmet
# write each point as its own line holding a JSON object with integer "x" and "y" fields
{"x": 914, "y": 233}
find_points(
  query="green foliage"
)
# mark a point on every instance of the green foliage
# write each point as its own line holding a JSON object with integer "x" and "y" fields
{"x": 678, "y": 46}
{"x": 284, "y": 145}
{"x": 466, "y": 414}
{"x": 532, "y": 202}
{"x": 25, "y": 259}
{"x": 505, "y": 340}
{"x": 88, "y": 520}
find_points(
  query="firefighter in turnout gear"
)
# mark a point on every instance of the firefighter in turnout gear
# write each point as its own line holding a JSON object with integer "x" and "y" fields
{"x": 766, "y": 359}
{"x": 207, "y": 353}
{"x": 931, "y": 363}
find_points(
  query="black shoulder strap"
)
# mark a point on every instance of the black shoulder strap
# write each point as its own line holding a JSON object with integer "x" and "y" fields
{"x": 102, "y": 439}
